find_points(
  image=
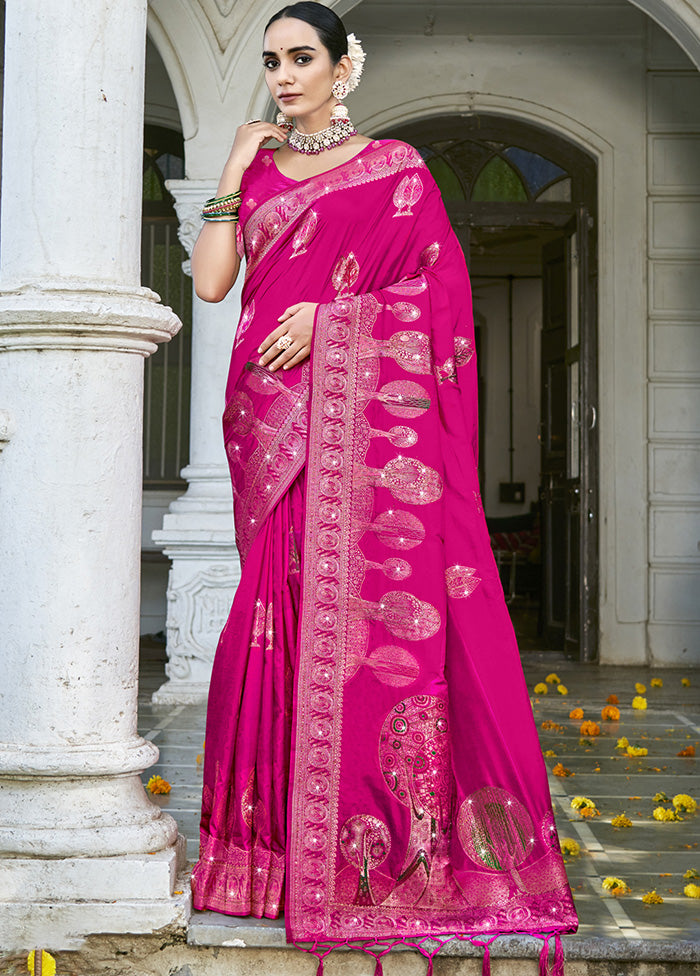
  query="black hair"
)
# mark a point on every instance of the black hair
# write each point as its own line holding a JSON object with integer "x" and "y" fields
{"x": 325, "y": 22}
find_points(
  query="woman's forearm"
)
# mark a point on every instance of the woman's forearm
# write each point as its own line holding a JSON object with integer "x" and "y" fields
{"x": 215, "y": 260}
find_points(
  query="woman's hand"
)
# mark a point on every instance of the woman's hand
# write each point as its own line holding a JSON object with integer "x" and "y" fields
{"x": 249, "y": 138}
{"x": 296, "y": 322}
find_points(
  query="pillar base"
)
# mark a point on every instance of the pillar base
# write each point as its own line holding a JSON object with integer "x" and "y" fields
{"x": 197, "y": 535}
{"x": 57, "y": 903}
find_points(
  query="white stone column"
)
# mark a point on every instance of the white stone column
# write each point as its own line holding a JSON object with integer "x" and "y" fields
{"x": 197, "y": 533}
{"x": 82, "y": 848}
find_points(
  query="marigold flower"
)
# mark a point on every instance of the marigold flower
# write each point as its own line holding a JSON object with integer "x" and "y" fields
{"x": 639, "y": 702}
{"x": 688, "y": 751}
{"x": 157, "y": 784}
{"x": 692, "y": 891}
{"x": 550, "y": 725}
{"x": 637, "y": 751}
{"x": 616, "y": 886}
{"x": 587, "y": 812}
{"x": 612, "y": 700}
{"x": 622, "y": 743}
{"x": 562, "y": 689}
{"x": 663, "y": 814}
{"x": 576, "y": 713}
{"x": 552, "y": 679}
{"x": 561, "y": 770}
{"x": 691, "y": 873}
{"x": 640, "y": 688}
{"x": 589, "y": 728}
{"x": 684, "y": 803}
{"x": 549, "y": 752}
{"x": 541, "y": 688}
{"x": 657, "y": 683}
{"x": 611, "y": 713}
{"x": 568, "y": 846}
{"x": 621, "y": 820}
{"x": 685, "y": 682}
{"x": 652, "y": 898}
{"x": 660, "y": 797}
{"x": 579, "y": 802}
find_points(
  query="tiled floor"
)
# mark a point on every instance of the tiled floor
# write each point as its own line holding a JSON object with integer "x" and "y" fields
{"x": 647, "y": 855}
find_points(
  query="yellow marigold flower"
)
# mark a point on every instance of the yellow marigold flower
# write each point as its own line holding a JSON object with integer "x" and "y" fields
{"x": 685, "y": 682}
{"x": 561, "y": 770}
{"x": 663, "y": 814}
{"x": 684, "y": 803}
{"x": 552, "y": 679}
{"x": 657, "y": 683}
{"x": 540, "y": 688}
{"x": 622, "y": 743}
{"x": 651, "y": 898}
{"x": 576, "y": 713}
{"x": 640, "y": 688}
{"x": 621, "y": 821}
{"x": 589, "y": 728}
{"x": 48, "y": 963}
{"x": 157, "y": 784}
{"x": 549, "y": 752}
{"x": 581, "y": 801}
{"x": 637, "y": 751}
{"x": 639, "y": 702}
{"x": 562, "y": 689}
{"x": 568, "y": 846}
{"x": 612, "y": 700}
{"x": 615, "y": 886}
{"x": 660, "y": 797}
{"x": 691, "y": 873}
{"x": 610, "y": 712}
{"x": 692, "y": 891}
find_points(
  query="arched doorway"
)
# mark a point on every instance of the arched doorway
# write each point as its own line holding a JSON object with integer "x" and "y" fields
{"x": 523, "y": 204}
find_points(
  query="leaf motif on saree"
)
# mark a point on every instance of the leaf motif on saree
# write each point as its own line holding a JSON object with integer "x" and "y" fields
{"x": 461, "y": 581}
{"x": 345, "y": 274}
{"x": 403, "y": 614}
{"x": 398, "y": 529}
{"x": 407, "y": 194}
{"x": 496, "y": 830}
{"x": 408, "y": 479}
{"x": 304, "y": 235}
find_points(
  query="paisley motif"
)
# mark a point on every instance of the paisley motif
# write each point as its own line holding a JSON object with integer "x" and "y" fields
{"x": 304, "y": 235}
{"x": 407, "y": 194}
{"x": 345, "y": 274}
{"x": 247, "y": 317}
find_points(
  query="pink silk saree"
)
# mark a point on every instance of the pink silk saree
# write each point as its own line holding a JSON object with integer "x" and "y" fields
{"x": 372, "y": 765}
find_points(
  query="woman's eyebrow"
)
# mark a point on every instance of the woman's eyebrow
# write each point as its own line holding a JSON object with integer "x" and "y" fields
{"x": 290, "y": 50}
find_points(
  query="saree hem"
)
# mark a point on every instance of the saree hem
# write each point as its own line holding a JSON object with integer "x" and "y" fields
{"x": 239, "y": 882}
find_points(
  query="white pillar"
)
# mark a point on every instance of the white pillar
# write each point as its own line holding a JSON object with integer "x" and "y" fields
{"x": 82, "y": 848}
{"x": 197, "y": 533}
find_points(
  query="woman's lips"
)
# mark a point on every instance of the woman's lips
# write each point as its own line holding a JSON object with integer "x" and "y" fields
{"x": 288, "y": 98}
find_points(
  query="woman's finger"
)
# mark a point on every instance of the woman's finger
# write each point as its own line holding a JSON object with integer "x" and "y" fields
{"x": 298, "y": 357}
{"x": 288, "y": 312}
{"x": 273, "y": 337}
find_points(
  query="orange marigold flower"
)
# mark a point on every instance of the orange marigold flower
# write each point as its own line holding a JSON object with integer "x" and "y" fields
{"x": 561, "y": 770}
{"x": 551, "y": 725}
{"x": 612, "y": 700}
{"x": 611, "y": 713}
{"x": 589, "y": 728}
{"x": 589, "y": 812}
{"x": 576, "y": 713}
{"x": 688, "y": 751}
{"x": 157, "y": 784}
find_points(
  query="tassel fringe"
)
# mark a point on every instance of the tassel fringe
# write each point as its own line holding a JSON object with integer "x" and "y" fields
{"x": 378, "y": 968}
{"x": 486, "y": 964}
{"x": 319, "y": 971}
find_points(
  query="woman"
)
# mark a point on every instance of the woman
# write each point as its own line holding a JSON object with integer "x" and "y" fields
{"x": 372, "y": 765}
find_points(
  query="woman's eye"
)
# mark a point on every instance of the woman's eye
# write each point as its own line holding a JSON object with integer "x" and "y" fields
{"x": 303, "y": 59}
{"x": 270, "y": 64}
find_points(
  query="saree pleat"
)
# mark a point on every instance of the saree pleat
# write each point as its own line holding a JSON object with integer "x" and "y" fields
{"x": 246, "y": 767}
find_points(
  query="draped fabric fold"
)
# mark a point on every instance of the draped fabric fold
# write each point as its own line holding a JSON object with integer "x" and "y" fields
{"x": 368, "y": 673}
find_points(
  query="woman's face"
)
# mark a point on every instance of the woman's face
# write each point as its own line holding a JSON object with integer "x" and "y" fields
{"x": 298, "y": 67}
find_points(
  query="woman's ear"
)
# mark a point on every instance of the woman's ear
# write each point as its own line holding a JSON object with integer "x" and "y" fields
{"x": 343, "y": 69}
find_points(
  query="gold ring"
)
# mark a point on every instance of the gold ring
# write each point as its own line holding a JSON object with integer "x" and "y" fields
{"x": 284, "y": 342}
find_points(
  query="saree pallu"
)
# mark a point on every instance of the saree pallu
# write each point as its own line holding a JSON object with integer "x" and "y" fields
{"x": 394, "y": 722}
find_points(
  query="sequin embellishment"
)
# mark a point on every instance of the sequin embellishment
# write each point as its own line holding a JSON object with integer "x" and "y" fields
{"x": 365, "y": 842}
{"x": 496, "y": 830}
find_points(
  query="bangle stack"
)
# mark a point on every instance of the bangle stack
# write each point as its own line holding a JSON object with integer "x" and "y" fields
{"x": 222, "y": 208}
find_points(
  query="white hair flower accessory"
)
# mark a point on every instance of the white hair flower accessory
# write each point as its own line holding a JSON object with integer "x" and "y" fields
{"x": 357, "y": 56}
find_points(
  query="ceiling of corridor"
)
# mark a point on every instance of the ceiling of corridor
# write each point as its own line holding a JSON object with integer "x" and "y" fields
{"x": 401, "y": 17}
